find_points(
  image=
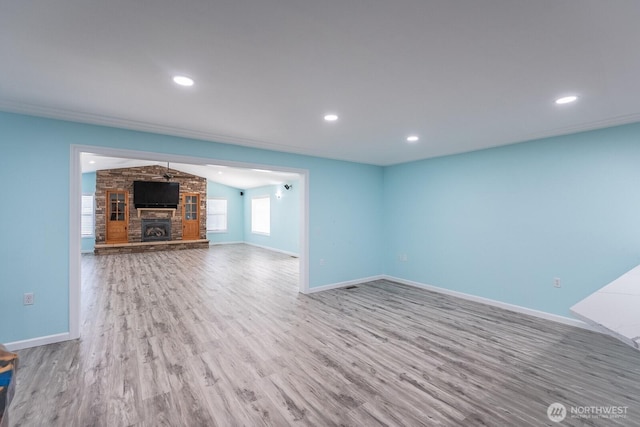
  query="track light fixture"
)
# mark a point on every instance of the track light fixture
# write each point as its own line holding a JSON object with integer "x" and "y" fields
{"x": 288, "y": 187}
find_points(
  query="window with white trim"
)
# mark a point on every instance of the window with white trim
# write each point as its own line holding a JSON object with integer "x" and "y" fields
{"x": 87, "y": 218}
{"x": 217, "y": 215}
{"x": 261, "y": 215}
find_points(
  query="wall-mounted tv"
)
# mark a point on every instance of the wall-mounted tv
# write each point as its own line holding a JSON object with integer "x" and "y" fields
{"x": 156, "y": 194}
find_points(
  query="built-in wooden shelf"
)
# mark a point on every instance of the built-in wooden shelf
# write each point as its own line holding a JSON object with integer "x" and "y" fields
{"x": 172, "y": 210}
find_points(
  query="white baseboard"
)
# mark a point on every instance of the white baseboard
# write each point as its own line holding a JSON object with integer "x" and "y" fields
{"x": 511, "y": 307}
{"x": 343, "y": 284}
{"x": 272, "y": 249}
{"x": 36, "y": 342}
{"x": 211, "y": 243}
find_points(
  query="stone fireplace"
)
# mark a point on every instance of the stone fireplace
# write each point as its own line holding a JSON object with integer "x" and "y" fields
{"x": 156, "y": 230}
{"x": 147, "y": 229}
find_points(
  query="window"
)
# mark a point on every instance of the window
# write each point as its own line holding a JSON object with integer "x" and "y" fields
{"x": 216, "y": 215}
{"x": 261, "y": 215}
{"x": 87, "y": 218}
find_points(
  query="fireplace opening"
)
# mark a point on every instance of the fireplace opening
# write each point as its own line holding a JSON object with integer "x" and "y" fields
{"x": 156, "y": 230}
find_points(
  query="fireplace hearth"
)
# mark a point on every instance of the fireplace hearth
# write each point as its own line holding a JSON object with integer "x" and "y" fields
{"x": 156, "y": 230}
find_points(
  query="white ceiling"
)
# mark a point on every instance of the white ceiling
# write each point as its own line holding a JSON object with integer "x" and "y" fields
{"x": 462, "y": 74}
{"x": 241, "y": 178}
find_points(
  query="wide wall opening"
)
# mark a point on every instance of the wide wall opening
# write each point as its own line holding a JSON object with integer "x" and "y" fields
{"x": 287, "y": 187}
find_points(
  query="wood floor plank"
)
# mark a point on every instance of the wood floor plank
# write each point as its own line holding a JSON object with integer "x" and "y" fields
{"x": 221, "y": 337}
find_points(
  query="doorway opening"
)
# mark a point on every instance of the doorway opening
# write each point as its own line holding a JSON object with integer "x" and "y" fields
{"x": 75, "y": 212}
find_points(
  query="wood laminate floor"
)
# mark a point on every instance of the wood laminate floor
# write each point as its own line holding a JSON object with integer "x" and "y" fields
{"x": 222, "y": 337}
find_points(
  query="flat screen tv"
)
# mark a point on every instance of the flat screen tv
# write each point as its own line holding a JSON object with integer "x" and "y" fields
{"x": 156, "y": 194}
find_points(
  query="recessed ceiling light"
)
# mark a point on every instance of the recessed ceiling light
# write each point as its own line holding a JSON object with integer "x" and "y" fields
{"x": 566, "y": 99}
{"x": 92, "y": 162}
{"x": 219, "y": 172}
{"x": 183, "y": 80}
{"x": 331, "y": 117}
{"x": 412, "y": 138}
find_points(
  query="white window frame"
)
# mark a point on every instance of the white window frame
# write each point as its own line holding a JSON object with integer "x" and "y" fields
{"x": 262, "y": 225}
{"x": 89, "y": 215}
{"x": 211, "y": 212}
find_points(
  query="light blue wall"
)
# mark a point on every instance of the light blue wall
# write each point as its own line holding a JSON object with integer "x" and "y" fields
{"x": 343, "y": 228}
{"x": 285, "y": 218}
{"x": 503, "y": 223}
{"x": 34, "y": 254}
{"x": 88, "y": 187}
{"x": 89, "y": 183}
{"x": 235, "y": 213}
{"x": 344, "y": 232}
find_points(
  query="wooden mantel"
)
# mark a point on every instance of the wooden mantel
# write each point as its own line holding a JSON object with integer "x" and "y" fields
{"x": 172, "y": 210}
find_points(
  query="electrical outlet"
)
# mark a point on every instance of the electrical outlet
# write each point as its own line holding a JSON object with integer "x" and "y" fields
{"x": 556, "y": 283}
{"x": 28, "y": 298}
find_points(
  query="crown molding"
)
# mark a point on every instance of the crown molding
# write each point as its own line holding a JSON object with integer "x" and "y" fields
{"x": 122, "y": 123}
{"x": 584, "y": 127}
